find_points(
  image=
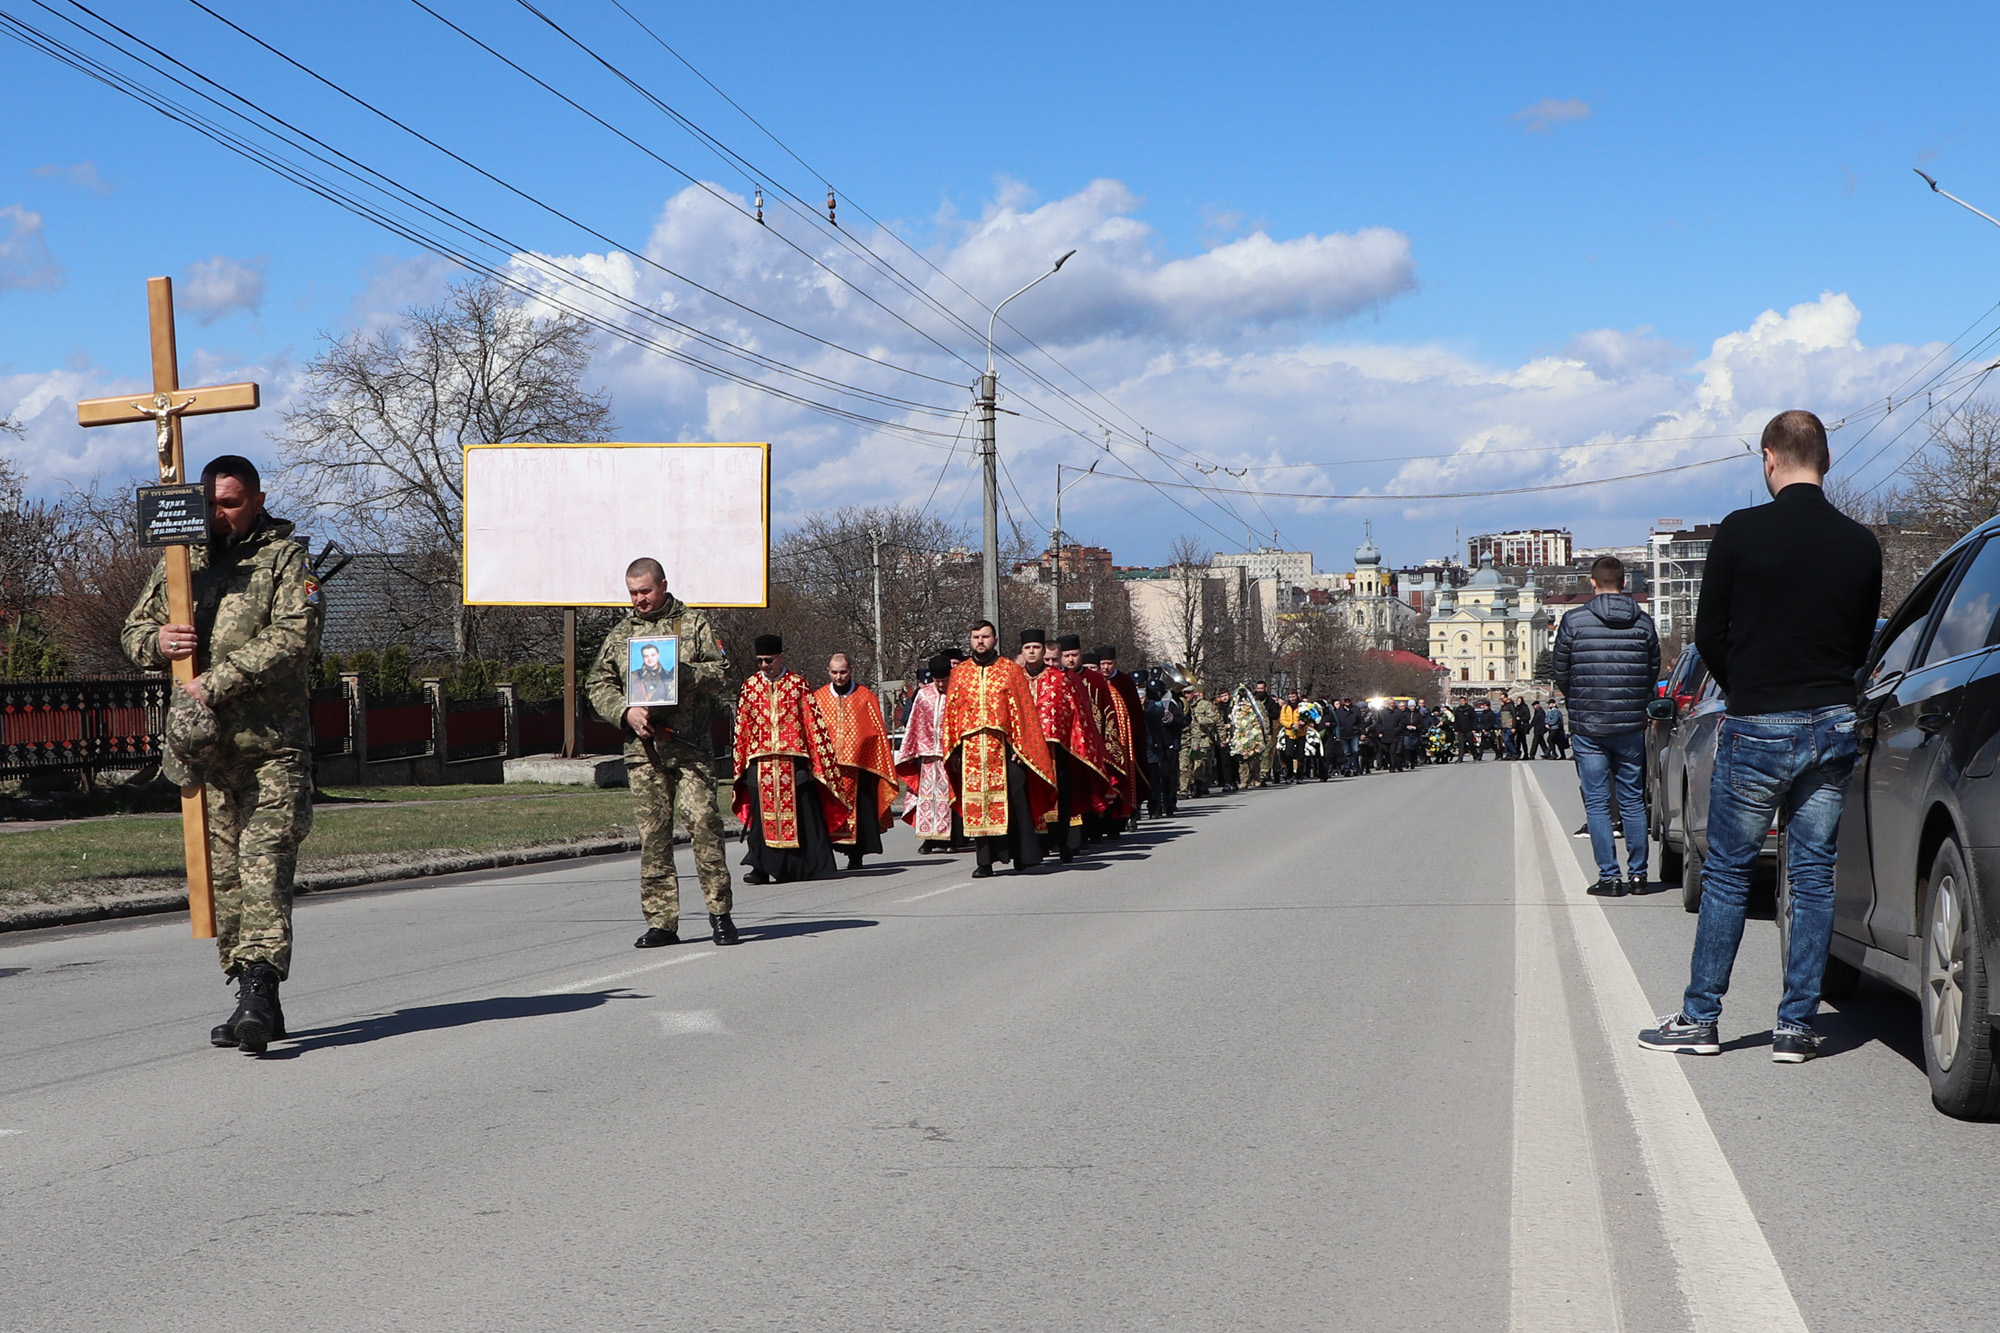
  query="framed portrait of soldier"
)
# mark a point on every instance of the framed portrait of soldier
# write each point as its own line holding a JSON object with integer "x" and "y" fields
{"x": 652, "y": 675}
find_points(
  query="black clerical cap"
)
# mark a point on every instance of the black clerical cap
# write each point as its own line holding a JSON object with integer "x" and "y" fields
{"x": 1029, "y": 636}
{"x": 940, "y": 666}
{"x": 768, "y": 645}
{"x": 1070, "y": 643}
{"x": 1105, "y": 653}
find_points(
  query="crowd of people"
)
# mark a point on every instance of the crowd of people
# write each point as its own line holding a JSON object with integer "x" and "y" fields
{"x": 1250, "y": 737}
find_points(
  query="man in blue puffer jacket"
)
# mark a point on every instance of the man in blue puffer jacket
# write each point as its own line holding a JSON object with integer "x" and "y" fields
{"x": 1607, "y": 660}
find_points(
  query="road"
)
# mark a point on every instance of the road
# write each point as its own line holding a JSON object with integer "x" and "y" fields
{"x": 1329, "y": 1057}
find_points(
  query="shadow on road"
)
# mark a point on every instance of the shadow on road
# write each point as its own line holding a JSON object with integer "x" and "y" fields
{"x": 435, "y": 1017}
{"x": 779, "y": 929}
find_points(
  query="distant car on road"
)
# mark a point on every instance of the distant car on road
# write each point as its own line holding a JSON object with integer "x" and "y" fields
{"x": 1917, "y": 882}
{"x": 1681, "y": 732}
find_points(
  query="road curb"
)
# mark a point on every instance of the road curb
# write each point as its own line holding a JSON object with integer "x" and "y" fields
{"x": 39, "y": 916}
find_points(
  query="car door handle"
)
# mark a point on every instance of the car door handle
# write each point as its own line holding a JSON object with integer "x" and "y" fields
{"x": 1932, "y": 723}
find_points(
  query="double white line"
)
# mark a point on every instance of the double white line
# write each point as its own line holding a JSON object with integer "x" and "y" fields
{"x": 1561, "y": 1254}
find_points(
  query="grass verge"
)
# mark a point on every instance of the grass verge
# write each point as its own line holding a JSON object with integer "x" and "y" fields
{"x": 88, "y": 859}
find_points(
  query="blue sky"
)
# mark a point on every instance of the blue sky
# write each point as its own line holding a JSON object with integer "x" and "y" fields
{"x": 1481, "y": 230}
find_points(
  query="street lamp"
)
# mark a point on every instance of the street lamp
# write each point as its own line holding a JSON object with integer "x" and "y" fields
{"x": 989, "y": 392}
{"x": 1055, "y": 539}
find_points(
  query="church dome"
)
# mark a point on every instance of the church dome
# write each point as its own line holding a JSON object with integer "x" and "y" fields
{"x": 1367, "y": 553}
{"x": 1487, "y": 577}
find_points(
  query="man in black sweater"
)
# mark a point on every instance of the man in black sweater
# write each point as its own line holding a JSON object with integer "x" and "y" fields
{"x": 1788, "y": 606}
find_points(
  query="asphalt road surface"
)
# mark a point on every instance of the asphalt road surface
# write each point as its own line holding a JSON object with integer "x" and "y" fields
{"x": 1344, "y": 1056}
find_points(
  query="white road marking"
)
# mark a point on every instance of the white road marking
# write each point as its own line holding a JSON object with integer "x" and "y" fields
{"x": 689, "y": 1022}
{"x": 935, "y": 892}
{"x": 569, "y": 986}
{"x": 1728, "y": 1274}
{"x": 5, "y": 1132}
{"x": 1559, "y": 1254}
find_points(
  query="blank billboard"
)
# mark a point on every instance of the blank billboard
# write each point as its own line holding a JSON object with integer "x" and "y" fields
{"x": 556, "y": 524}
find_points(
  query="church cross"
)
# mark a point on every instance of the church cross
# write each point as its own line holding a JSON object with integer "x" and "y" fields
{"x": 166, "y": 407}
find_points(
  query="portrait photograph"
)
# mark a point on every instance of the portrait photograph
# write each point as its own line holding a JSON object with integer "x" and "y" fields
{"x": 651, "y": 676}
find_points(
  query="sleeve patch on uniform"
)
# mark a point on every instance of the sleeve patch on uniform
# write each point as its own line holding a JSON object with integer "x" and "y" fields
{"x": 312, "y": 590}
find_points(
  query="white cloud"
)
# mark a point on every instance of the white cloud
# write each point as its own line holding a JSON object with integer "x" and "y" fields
{"x": 215, "y": 287}
{"x": 1239, "y": 353}
{"x": 25, "y": 262}
{"x": 1233, "y": 352}
{"x": 1550, "y": 112}
{"x": 83, "y": 176}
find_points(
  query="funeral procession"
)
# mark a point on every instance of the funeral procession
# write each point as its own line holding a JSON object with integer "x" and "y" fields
{"x": 793, "y": 667}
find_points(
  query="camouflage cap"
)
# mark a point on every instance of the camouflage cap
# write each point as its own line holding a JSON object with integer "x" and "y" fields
{"x": 187, "y": 749}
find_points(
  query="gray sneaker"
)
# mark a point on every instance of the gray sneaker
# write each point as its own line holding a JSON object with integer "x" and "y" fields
{"x": 1678, "y": 1032}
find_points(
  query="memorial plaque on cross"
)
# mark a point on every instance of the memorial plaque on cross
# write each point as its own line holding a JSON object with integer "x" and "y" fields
{"x": 165, "y": 408}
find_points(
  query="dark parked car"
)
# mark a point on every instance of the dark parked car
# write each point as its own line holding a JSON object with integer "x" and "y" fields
{"x": 1681, "y": 731}
{"x": 1917, "y": 884}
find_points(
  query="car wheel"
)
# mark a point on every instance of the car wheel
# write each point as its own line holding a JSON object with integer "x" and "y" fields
{"x": 1958, "y": 1038}
{"x": 1690, "y": 874}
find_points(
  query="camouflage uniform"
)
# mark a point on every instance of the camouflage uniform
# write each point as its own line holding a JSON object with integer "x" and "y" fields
{"x": 1204, "y": 742}
{"x": 257, "y": 619}
{"x": 674, "y": 773}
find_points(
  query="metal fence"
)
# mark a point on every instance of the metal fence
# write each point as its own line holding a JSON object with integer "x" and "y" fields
{"x": 70, "y": 726}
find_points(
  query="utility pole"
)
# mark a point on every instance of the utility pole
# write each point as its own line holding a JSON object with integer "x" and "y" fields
{"x": 989, "y": 393}
{"x": 875, "y": 559}
{"x": 989, "y": 507}
{"x": 1055, "y": 540}
{"x": 1055, "y": 597}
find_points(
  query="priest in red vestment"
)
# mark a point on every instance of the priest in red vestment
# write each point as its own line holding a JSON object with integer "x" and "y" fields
{"x": 788, "y": 792}
{"x": 1070, "y": 726}
{"x": 1133, "y": 791}
{"x": 1105, "y": 712}
{"x": 1002, "y": 777}
{"x": 861, "y": 747}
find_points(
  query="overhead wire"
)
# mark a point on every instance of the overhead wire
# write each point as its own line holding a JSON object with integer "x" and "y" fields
{"x": 417, "y": 233}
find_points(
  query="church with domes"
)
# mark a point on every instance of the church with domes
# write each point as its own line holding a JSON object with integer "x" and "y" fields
{"x": 1489, "y": 632}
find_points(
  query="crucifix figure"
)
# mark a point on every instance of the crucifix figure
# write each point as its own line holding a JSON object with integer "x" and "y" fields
{"x": 165, "y": 410}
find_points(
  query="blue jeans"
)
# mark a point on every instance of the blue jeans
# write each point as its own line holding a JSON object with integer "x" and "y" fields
{"x": 1606, "y": 765}
{"x": 1802, "y": 760}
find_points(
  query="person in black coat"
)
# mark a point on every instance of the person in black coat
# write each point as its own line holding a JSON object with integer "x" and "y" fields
{"x": 1607, "y": 658}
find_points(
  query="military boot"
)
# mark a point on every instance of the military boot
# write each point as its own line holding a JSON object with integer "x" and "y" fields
{"x": 263, "y": 1018}
{"x": 724, "y": 928}
{"x": 224, "y": 1033}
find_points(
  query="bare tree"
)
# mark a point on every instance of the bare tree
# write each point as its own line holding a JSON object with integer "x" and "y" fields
{"x": 1954, "y": 479}
{"x": 1187, "y": 569}
{"x": 97, "y": 570}
{"x": 376, "y": 449}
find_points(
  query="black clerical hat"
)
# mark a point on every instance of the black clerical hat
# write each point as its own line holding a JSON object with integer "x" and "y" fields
{"x": 1105, "y": 653}
{"x": 940, "y": 666}
{"x": 1029, "y": 636}
{"x": 768, "y": 645}
{"x": 1070, "y": 643}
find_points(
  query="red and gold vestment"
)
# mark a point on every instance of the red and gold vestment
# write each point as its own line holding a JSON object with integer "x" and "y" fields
{"x": 777, "y": 722}
{"x": 989, "y": 712}
{"x": 860, "y": 745}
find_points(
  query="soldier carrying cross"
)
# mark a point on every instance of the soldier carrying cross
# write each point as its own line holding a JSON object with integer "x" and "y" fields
{"x": 236, "y": 618}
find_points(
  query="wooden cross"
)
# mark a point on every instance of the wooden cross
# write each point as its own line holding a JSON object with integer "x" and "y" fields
{"x": 168, "y": 404}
